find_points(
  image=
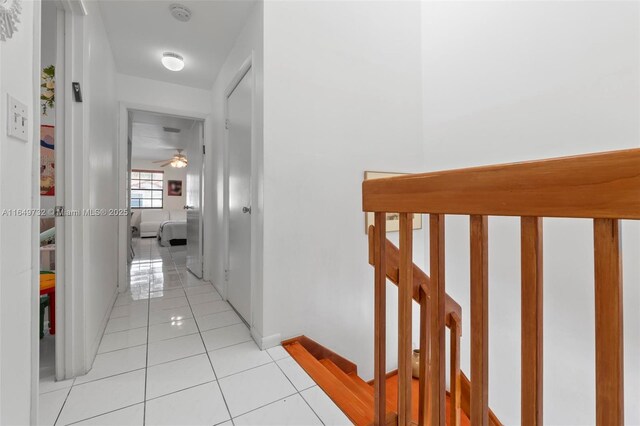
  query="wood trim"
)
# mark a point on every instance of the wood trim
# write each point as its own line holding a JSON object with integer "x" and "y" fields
{"x": 424, "y": 396}
{"x": 479, "y": 321}
{"x": 437, "y": 308}
{"x": 603, "y": 185}
{"x": 405, "y": 319}
{"x": 364, "y": 393}
{"x": 420, "y": 278}
{"x": 380, "y": 326}
{"x": 465, "y": 400}
{"x": 389, "y": 374}
{"x": 531, "y": 321}
{"x": 454, "y": 365}
{"x": 354, "y": 408}
{"x": 148, "y": 171}
{"x": 609, "y": 332}
{"x": 321, "y": 352}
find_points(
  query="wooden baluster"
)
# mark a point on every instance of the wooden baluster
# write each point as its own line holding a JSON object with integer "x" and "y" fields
{"x": 424, "y": 408}
{"x": 405, "y": 299}
{"x": 479, "y": 321}
{"x": 609, "y": 337}
{"x": 380, "y": 373}
{"x": 437, "y": 301}
{"x": 531, "y": 321}
{"x": 455, "y": 378}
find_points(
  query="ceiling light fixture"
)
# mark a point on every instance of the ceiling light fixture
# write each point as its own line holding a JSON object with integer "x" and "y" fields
{"x": 172, "y": 61}
{"x": 179, "y": 162}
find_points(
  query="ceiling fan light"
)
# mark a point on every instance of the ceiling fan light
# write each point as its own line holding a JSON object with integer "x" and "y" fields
{"x": 179, "y": 163}
{"x": 172, "y": 61}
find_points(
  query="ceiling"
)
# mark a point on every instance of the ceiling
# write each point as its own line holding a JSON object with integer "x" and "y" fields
{"x": 149, "y": 139}
{"x": 140, "y": 31}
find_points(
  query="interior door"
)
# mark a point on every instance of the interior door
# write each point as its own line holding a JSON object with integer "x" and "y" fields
{"x": 239, "y": 105}
{"x": 195, "y": 158}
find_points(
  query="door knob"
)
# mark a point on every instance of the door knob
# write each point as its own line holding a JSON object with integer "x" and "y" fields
{"x": 246, "y": 210}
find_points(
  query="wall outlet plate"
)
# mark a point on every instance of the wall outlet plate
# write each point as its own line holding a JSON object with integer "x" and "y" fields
{"x": 17, "y": 119}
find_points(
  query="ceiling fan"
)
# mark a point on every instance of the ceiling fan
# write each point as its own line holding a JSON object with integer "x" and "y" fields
{"x": 179, "y": 160}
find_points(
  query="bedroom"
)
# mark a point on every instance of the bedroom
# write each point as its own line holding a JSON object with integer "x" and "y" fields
{"x": 161, "y": 147}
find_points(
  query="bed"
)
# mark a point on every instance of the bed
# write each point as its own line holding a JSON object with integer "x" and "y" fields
{"x": 173, "y": 232}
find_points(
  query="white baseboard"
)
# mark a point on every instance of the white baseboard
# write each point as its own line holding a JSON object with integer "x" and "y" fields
{"x": 265, "y": 342}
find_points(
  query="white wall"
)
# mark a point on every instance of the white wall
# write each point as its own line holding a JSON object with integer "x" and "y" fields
{"x": 510, "y": 81}
{"x": 170, "y": 173}
{"x": 342, "y": 95}
{"x": 17, "y": 63}
{"x": 143, "y": 91}
{"x": 100, "y": 178}
{"x": 248, "y": 43}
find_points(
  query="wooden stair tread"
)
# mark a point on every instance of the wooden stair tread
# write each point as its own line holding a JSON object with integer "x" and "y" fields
{"x": 391, "y": 408}
{"x": 354, "y": 408}
{"x": 364, "y": 393}
{"x": 351, "y": 394}
{"x": 392, "y": 395}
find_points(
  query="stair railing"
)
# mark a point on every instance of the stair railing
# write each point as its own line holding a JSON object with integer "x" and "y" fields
{"x": 419, "y": 289}
{"x": 604, "y": 187}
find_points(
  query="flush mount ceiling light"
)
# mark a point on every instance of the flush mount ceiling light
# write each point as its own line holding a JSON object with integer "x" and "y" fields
{"x": 172, "y": 61}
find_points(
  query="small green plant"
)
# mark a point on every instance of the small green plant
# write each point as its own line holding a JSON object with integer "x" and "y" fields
{"x": 48, "y": 88}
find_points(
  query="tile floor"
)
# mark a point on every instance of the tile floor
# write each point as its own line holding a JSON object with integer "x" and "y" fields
{"x": 175, "y": 353}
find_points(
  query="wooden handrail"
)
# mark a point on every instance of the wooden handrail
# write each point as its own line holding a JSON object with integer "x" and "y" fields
{"x": 420, "y": 278}
{"x": 588, "y": 186}
{"x": 604, "y": 187}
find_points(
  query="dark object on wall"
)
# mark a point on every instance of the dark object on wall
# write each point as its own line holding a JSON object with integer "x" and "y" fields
{"x": 174, "y": 188}
{"x": 77, "y": 93}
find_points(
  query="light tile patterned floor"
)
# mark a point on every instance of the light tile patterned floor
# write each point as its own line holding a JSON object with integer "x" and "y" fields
{"x": 175, "y": 353}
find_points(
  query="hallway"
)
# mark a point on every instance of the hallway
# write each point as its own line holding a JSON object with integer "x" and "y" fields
{"x": 175, "y": 353}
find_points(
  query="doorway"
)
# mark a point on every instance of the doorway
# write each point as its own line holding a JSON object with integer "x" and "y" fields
{"x": 195, "y": 192}
{"x": 163, "y": 157}
{"x": 51, "y": 224}
{"x": 239, "y": 140}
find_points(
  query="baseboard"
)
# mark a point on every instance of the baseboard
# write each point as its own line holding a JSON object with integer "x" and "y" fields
{"x": 219, "y": 289}
{"x": 389, "y": 374}
{"x": 265, "y": 342}
{"x": 321, "y": 352}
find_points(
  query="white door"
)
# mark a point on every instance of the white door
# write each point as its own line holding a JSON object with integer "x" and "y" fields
{"x": 195, "y": 158}
{"x": 239, "y": 140}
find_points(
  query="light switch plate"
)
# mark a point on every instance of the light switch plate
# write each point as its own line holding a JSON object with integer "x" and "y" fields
{"x": 17, "y": 119}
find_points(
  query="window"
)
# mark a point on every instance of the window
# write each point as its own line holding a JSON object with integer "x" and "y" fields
{"x": 146, "y": 189}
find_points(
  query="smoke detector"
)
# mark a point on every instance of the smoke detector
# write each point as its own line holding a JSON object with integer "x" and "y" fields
{"x": 180, "y": 12}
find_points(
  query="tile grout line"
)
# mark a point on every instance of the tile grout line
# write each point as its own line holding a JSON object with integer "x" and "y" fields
{"x": 209, "y": 357}
{"x": 62, "y": 406}
{"x": 180, "y": 390}
{"x": 268, "y": 404}
{"x": 298, "y": 392}
{"x": 146, "y": 369}
{"x": 102, "y": 414}
{"x": 73, "y": 384}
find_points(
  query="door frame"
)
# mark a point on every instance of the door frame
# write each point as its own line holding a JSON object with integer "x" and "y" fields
{"x": 69, "y": 356}
{"x": 256, "y": 190}
{"x": 201, "y": 129}
{"x": 34, "y": 304}
{"x": 123, "y": 120}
